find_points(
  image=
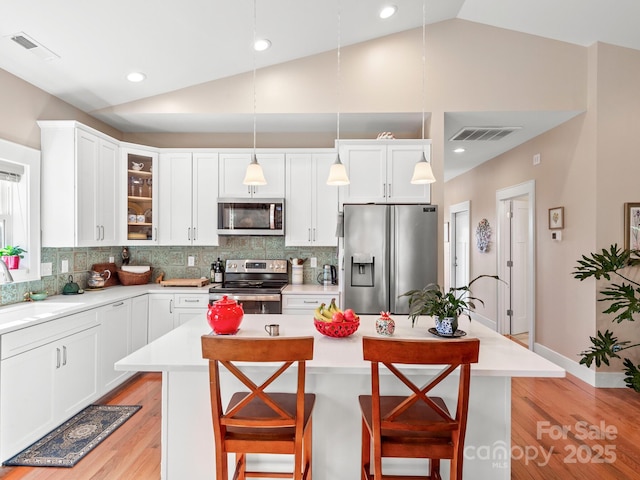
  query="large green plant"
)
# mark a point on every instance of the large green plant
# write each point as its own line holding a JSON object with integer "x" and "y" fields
{"x": 433, "y": 300}
{"x": 624, "y": 303}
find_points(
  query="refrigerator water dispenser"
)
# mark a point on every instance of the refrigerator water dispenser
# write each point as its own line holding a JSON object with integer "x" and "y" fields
{"x": 362, "y": 270}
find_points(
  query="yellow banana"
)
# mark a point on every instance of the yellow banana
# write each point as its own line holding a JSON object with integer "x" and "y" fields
{"x": 318, "y": 313}
{"x": 333, "y": 308}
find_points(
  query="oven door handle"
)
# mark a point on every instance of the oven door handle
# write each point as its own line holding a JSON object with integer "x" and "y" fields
{"x": 274, "y": 297}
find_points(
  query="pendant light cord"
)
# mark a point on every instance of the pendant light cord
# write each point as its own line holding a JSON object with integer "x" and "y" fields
{"x": 338, "y": 76}
{"x": 424, "y": 60}
{"x": 255, "y": 23}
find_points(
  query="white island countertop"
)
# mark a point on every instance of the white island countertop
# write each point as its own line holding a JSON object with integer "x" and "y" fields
{"x": 180, "y": 350}
{"x": 337, "y": 375}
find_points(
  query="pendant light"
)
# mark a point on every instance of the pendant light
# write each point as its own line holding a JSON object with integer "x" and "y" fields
{"x": 254, "y": 174}
{"x": 338, "y": 172}
{"x": 422, "y": 172}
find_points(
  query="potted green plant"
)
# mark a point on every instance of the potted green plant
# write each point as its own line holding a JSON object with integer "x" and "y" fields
{"x": 444, "y": 306}
{"x": 624, "y": 303}
{"x": 11, "y": 256}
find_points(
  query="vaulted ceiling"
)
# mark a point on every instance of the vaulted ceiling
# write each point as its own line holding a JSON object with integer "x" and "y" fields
{"x": 178, "y": 44}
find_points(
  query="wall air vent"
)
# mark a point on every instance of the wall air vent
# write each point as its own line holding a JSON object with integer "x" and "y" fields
{"x": 483, "y": 134}
{"x": 28, "y": 43}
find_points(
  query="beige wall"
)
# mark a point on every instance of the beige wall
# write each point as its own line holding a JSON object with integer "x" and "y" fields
{"x": 586, "y": 166}
{"x": 23, "y": 104}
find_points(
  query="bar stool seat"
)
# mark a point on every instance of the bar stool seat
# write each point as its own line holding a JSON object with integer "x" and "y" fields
{"x": 415, "y": 425}
{"x": 260, "y": 421}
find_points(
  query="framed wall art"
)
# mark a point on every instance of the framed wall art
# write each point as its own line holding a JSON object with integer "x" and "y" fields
{"x": 556, "y": 218}
{"x": 632, "y": 226}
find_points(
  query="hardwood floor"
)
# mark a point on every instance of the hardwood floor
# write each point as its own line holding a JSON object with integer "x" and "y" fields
{"x": 132, "y": 452}
{"x": 602, "y": 439}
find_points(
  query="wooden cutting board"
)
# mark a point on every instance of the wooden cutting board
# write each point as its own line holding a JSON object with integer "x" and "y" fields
{"x": 185, "y": 282}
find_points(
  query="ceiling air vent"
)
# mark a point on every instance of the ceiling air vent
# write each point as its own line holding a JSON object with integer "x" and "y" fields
{"x": 483, "y": 133}
{"x": 28, "y": 43}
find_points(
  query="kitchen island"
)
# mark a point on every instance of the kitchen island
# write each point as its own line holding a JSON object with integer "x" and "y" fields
{"x": 337, "y": 375}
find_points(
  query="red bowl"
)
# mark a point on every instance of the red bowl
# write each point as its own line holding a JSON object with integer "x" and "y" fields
{"x": 337, "y": 330}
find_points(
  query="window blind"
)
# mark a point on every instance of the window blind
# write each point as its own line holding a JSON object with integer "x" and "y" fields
{"x": 10, "y": 172}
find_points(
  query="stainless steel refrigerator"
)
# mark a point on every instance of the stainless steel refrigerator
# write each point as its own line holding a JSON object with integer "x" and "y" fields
{"x": 388, "y": 250}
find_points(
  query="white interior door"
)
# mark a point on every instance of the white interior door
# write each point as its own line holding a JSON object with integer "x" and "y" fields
{"x": 519, "y": 269}
{"x": 515, "y": 211}
{"x": 459, "y": 261}
{"x": 461, "y": 250}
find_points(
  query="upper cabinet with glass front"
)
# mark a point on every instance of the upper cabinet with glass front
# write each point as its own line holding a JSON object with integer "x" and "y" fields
{"x": 141, "y": 196}
{"x": 80, "y": 187}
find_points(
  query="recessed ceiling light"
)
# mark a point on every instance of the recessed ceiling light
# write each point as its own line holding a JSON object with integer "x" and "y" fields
{"x": 388, "y": 11}
{"x": 136, "y": 77}
{"x": 261, "y": 44}
{"x": 458, "y": 150}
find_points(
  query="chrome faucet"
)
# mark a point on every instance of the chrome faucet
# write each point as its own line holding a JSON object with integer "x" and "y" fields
{"x": 6, "y": 274}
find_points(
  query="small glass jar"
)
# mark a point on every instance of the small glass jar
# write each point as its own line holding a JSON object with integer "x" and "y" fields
{"x": 385, "y": 325}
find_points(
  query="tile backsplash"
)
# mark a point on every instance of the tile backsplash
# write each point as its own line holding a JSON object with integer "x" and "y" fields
{"x": 172, "y": 261}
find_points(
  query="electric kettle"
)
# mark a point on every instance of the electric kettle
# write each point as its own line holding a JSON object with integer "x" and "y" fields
{"x": 328, "y": 276}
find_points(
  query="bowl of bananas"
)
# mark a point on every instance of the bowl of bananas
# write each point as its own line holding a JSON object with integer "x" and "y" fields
{"x": 333, "y": 322}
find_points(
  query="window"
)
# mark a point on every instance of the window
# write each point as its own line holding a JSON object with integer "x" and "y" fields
{"x": 20, "y": 206}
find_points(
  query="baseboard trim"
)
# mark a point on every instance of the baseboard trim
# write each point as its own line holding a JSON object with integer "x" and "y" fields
{"x": 487, "y": 322}
{"x": 587, "y": 375}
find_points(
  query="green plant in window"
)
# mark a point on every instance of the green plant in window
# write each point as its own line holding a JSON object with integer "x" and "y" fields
{"x": 10, "y": 251}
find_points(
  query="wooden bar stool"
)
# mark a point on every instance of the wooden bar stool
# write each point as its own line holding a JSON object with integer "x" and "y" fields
{"x": 259, "y": 421}
{"x": 417, "y": 425}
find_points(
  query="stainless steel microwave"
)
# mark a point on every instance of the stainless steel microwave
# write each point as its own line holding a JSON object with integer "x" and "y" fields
{"x": 250, "y": 216}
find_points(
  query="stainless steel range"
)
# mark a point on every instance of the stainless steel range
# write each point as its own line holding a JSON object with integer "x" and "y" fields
{"x": 256, "y": 284}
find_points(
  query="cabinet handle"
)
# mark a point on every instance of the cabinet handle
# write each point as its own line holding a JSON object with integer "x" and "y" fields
{"x": 390, "y": 195}
{"x": 194, "y": 234}
{"x": 97, "y": 232}
{"x": 309, "y": 230}
{"x": 119, "y": 304}
{"x": 57, "y": 358}
{"x": 155, "y": 233}
{"x": 314, "y": 234}
{"x": 64, "y": 355}
{"x": 102, "y": 230}
{"x": 191, "y": 300}
{"x": 384, "y": 190}
{"x": 189, "y": 233}
{"x": 249, "y": 190}
{"x": 310, "y": 301}
{"x": 170, "y": 306}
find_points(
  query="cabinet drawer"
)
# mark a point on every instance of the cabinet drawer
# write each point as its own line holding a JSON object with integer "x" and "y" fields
{"x": 194, "y": 300}
{"x": 28, "y": 338}
{"x": 305, "y": 302}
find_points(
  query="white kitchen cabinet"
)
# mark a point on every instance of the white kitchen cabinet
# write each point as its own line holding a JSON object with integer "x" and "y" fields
{"x": 138, "y": 169}
{"x": 305, "y": 304}
{"x": 380, "y": 171}
{"x": 80, "y": 187}
{"x": 49, "y": 373}
{"x": 115, "y": 336}
{"x": 139, "y": 321}
{"x": 188, "y": 194}
{"x": 160, "y": 315}
{"x": 232, "y": 170}
{"x": 168, "y": 311}
{"x": 190, "y": 305}
{"x": 311, "y": 204}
